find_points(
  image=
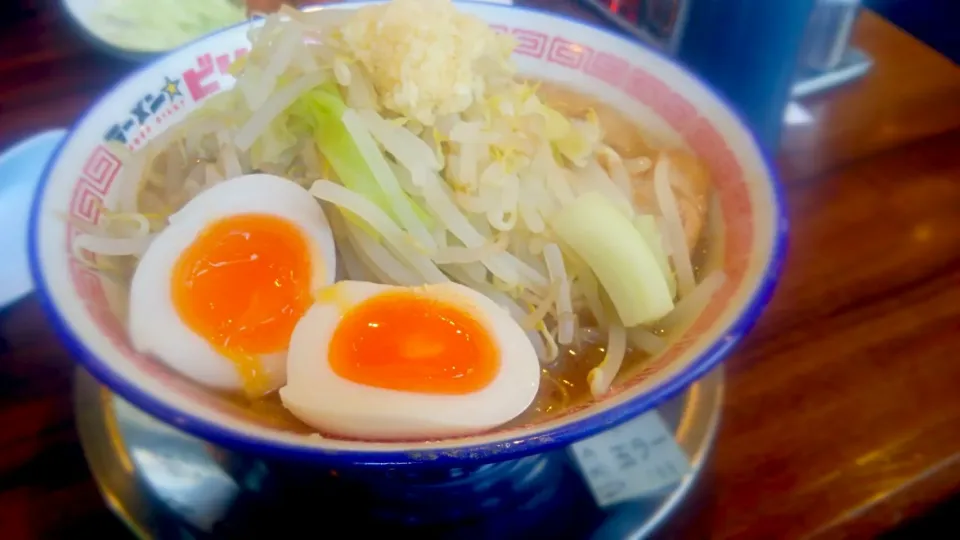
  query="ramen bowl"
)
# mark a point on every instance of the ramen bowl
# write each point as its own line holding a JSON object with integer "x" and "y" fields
{"x": 747, "y": 233}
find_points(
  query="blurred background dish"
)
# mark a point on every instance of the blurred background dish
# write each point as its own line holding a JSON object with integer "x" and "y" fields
{"x": 138, "y": 29}
{"x": 20, "y": 169}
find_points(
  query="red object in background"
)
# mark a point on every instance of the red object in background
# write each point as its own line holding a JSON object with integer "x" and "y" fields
{"x": 264, "y": 6}
{"x": 625, "y": 8}
{"x": 656, "y": 16}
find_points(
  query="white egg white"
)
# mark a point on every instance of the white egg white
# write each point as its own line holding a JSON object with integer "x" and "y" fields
{"x": 319, "y": 397}
{"x": 154, "y": 325}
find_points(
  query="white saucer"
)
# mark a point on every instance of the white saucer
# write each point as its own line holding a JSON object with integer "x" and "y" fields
{"x": 21, "y": 167}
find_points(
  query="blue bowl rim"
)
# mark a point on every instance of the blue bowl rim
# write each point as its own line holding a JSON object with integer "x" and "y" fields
{"x": 454, "y": 456}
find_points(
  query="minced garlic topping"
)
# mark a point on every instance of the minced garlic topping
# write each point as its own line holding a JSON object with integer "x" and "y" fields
{"x": 426, "y": 59}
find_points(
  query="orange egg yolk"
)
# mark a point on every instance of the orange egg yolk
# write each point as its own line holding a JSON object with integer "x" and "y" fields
{"x": 242, "y": 285}
{"x": 408, "y": 342}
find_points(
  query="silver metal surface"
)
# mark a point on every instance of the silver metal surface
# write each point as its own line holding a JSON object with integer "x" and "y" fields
{"x": 158, "y": 479}
{"x": 179, "y": 469}
{"x": 853, "y": 65}
{"x": 828, "y": 34}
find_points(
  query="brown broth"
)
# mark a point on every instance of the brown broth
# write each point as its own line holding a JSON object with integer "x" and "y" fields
{"x": 621, "y": 133}
{"x": 564, "y": 383}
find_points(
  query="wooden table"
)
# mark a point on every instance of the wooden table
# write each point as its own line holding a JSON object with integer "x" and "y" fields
{"x": 843, "y": 407}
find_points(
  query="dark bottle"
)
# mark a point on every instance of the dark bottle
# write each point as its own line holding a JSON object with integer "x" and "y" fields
{"x": 747, "y": 49}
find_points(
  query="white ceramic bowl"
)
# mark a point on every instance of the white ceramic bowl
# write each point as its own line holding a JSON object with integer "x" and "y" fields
{"x": 90, "y": 312}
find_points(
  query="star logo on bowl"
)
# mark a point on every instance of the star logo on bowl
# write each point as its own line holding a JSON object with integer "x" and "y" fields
{"x": 172, "y": 87}
{"x": 156, "y": 106}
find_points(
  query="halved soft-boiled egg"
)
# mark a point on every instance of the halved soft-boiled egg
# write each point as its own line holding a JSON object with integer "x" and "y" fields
{"x": 218, "y": 293}
{"x": 384, "y": 362}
